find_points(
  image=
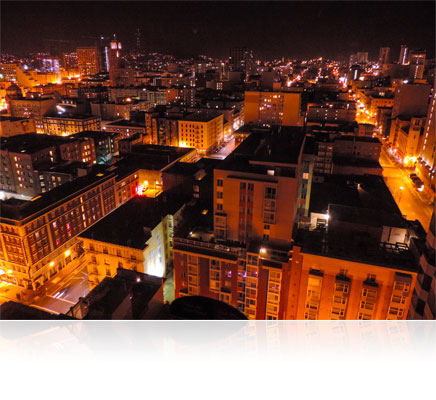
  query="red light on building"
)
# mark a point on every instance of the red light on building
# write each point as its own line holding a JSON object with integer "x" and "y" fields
{"x": 140, "y": 190}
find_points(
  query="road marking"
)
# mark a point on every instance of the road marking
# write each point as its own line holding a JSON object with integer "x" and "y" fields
{"x": 45, "y": 309}
{"x": 58, "y": 298}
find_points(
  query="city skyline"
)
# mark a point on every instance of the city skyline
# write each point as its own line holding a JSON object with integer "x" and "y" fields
{"x": 271, "y": 29}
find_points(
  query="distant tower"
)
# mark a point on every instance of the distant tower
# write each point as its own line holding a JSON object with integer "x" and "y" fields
{"x": 383, "y": 57}
{"x": 404, "y": 55}
{"x": 138, "y": 40}
{"x": 114, "y": 60}
{"x": 417, "y": 64}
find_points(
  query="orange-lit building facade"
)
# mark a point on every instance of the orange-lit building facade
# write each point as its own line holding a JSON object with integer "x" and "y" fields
{"x": 39, "y": 238}
{"x": 407, "y": 138}
{"x": 88, "y": 60}
{"x": 254, "y": 209}
{"x": 426, "y": 166}
{"x": 201, "y": 131}
{"x": 329, "y": 287}
{"x": 65, "y": 126}
{"x": 256, "y": 262}
{"x": 273, "y": 108}
{"x": 35, "y": 108}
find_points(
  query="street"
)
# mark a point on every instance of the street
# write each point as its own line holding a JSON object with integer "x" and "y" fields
{"x": 412, "y": 203}
{"x": 225, "y": 151}
{"x": 65, "y": 293}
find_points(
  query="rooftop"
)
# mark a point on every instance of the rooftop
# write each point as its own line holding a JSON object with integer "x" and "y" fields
{"x": 80, "y": 117}
{"x": 151, "y": 157}
{"x": 203, "y": 116}
{"x": 29, "y": 143}
{"x": 130, "y": 225}
{"x": 277, "y": 145}
{"x": 126, "y": 123}
{"x": 349, "y": 138}
{"x": 18, "y": 210}
{"x": 363, "y": 191}
{"x": 4, "y": 118}
{"x": 108, "y": 295}
{"x": 356, "y": 249}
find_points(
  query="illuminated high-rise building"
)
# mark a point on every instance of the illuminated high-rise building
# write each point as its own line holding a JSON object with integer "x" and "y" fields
{"x": 404, "y": 55}
{"x": 88, "y": 59}
{"x": 119, "y": 73}
{"x": 417, "y": 64}
{"x": 114, "y": 57}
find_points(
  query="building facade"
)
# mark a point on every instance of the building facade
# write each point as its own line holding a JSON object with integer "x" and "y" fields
{"x": 272, "y": 108}
{"x": 202, "y": 131}
{"x": 88, "y": 60}
{"x": 69, "y": 125}
{"x": 39, "y": 237}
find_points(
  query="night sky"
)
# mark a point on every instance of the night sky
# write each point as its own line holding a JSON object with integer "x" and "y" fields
{"x": 271, "y": 29}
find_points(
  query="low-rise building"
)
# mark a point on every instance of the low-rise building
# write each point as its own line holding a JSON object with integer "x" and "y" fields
{"x": 128, "y": 295}
{"x": 35, "y": 108}
{"x": 144, "y": 244}
{"x": 203, "y": 131}
{"x": 65, "y": 125}
{"x": 407, "y": 138}
{"x": 273, "y": 108}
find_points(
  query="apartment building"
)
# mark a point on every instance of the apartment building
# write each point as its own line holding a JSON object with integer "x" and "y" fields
{"x": 12, "y": 126}
{"x": 35, "y": 109}
{"x": 63, "y": 125}
{"x": 273, "y": 108}
{"x": 423, "y": 299}
{"x": 244, "y": 259}
{"x": 407, "y": 137}
{"x": 20, "y": 157}
{"x": 331, "y": 113}
{"x": 143, "y": 245}
{"x": 353, "y": 260}
{"x": 426, "y": 167}
{"x": 203, "y": 131}
{"x": 39, "y": 237}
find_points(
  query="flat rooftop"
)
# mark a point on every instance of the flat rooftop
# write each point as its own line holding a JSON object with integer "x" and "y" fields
{"x": 151, "y": 157}
{"x": 203, "y": 116}
{"x": 277, "y": 145}
{"x": 18, "y": 210}
{"x": 29, "y": 143}
{"x": 107, "y": 296}
{"x": 130, "y": 224}
{"x": 126, "y": 123}
{"x": 349, "y": 138}
{"x": 348, "y": 248}
{"x": 11, "y": 119}
{"x": 362, "y": 191}
{"x": 79, "y": 117}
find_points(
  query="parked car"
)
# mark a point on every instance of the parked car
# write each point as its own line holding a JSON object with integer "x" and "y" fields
{"x": 418, "y": 183}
